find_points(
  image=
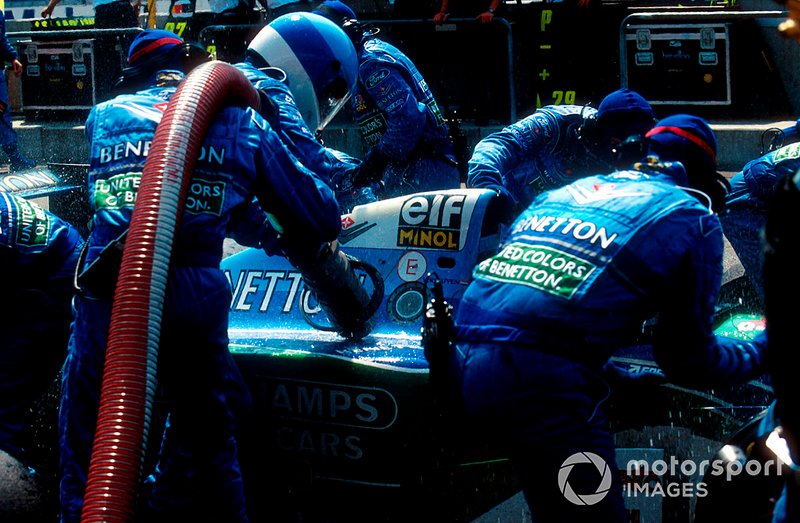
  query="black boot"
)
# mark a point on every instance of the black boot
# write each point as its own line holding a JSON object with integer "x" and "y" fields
{"x": 16, "y": 160}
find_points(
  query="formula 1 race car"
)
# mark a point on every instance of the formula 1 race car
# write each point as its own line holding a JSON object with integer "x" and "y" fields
{"x": 351, "y": 430}
{"x": 356, "y": 422}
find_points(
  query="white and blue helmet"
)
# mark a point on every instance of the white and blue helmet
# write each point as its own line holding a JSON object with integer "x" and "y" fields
{"x": 318, "y": 58}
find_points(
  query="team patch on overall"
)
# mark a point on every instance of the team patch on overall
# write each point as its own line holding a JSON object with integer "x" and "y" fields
{"x": 32, "y": 227}
{"x": 788, "y": 152}
{"x": 544, "y": 268}
{"x": 116, "y": 192}
{"x": 205, "y": 197}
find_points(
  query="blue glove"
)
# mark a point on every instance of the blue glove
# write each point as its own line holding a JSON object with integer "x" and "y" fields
{"x": 503, "y": 208}
{"x": 371, "y": 169}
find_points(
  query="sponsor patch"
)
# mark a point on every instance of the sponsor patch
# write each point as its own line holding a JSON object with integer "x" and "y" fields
{"x": 788, "y": 152}
{"x": 376, "y": 78}
{"x": 28, "y": 180}
{"x": 431, "y": 221}
{"x": 205, "y": 197}
{"x": 33, "y": 224}
{"x": 116, "y": 192}
{"x": 168, "y": 78}
{"x": 434, "y": 108}
{"x": 372, "y": 129}
{"x": 543, "y": 268}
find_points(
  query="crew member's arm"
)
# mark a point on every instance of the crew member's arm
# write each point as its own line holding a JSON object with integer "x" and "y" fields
{"x": 303, "y": 210}
{"x": 288, "y": 122}
{"x": 501, "y": 152}
{"x": 300, "y": 205}
{"x": 685, "y": 345}
{"x": 7, "y": 51}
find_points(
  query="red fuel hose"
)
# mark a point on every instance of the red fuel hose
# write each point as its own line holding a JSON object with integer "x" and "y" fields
{"x": 129, "y": 377}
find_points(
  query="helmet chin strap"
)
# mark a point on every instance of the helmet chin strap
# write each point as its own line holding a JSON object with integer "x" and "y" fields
{"x": 276, "y": 73}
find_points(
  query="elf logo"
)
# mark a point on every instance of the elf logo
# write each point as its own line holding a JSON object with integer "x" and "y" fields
{"x": 431, "y": 221}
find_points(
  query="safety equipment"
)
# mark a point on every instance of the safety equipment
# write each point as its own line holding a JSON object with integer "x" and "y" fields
{"x": 631, "y": 150}
{"x": 336, "y": 11}
{"x": 622, "y": 107}
{"x": 331, "y": 278}
{"x": 318, "y": 58}
{"x": 622, "y": 114}
{"x": 689, "y": 140}
{"x": 151, "y": 44}
{"x": 774, "y": 138}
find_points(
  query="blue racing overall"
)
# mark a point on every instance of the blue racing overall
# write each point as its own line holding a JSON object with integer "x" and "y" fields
{"x": 39, "y": 253}
{"x": 746, "y": 206}
{"x": 401, "y": 123}
{"x": 542, "y": 151}
{"x": 204, "y": 393}
{"x": 334, "y": 167}
{"x": 7, "y": 54}
{"x": 576, "y": 276}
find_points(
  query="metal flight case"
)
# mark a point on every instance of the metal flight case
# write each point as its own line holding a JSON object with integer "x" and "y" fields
{"x": 58, "y": 78}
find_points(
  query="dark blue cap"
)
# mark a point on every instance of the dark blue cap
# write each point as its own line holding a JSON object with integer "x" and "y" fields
{"x": 335, "y": 11}
{"x": 152, "y": 45}
{"x": 685, "y": 136}
{"x": 624, "y": 103}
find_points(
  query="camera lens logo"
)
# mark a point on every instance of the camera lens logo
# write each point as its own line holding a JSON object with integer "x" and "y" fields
{"x": 602, "y": 468}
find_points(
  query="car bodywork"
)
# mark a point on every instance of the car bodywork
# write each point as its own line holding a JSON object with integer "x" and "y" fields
{"x": 351, "y": 430}
{"x": 357, "y": 420}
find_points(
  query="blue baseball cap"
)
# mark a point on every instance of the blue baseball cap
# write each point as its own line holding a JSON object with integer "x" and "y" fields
{"x": 624, "y": 102}
{"x": 688, "y": 139}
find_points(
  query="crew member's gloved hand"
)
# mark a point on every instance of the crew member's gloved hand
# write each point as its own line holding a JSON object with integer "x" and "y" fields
{"x": 329, "y": 275}
{"x": 270, "y": 242}
{"x": 371, "y": 169}
{"x": 504, "y": 207}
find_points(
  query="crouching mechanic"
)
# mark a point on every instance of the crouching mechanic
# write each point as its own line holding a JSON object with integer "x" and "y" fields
{"x": 39, "y": 253}
{"x": 556, "y": 145}
{"x": 242, "y": 159}
{"x": 578, "y": 273}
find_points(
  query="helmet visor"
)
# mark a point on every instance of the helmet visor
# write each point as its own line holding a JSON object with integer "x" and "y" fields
{"x": 331, "y": 102}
